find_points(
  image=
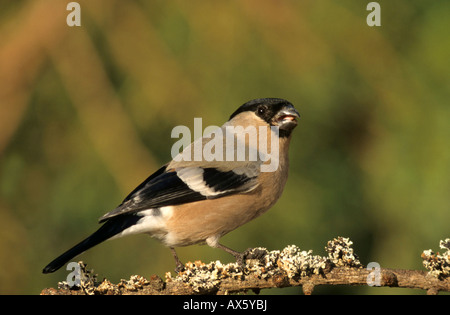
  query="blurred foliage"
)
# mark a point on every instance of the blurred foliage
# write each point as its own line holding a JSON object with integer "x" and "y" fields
{"x": 86, "y": 114}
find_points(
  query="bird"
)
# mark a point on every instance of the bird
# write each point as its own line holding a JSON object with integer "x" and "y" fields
{"x": 189, "y": 201}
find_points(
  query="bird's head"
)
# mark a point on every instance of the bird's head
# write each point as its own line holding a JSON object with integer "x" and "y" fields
{"x": 274, "y": 111}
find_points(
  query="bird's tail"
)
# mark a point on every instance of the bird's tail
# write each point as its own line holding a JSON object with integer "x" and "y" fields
{"x": 111, "y": 228}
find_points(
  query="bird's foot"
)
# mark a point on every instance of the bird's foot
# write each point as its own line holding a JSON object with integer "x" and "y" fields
{"x": 249, "y": 253}
{"x": 179, "y": 267}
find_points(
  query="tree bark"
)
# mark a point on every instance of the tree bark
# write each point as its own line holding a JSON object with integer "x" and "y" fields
{"x": 289, "y": 267}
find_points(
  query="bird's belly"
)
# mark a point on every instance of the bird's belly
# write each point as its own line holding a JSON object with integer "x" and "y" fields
{"x": 195, "y": 222}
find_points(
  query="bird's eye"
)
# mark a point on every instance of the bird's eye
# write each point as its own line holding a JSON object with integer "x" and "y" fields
{"x": 261, "y": 110}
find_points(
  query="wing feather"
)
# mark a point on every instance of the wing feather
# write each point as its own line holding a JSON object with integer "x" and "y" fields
{"x": 183, "y": 185}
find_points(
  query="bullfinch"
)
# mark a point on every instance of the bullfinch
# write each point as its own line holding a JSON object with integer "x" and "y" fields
{"x": 198, "y": 198}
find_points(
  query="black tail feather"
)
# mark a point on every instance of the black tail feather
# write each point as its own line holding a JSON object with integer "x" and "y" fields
{"x": 106, "y": 231}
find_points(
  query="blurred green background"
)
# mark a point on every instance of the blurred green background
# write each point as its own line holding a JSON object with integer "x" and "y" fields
{"x": 86, "y": 114}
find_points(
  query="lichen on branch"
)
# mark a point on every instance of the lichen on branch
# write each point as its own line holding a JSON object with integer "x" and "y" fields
{"x": 264, "y": 269}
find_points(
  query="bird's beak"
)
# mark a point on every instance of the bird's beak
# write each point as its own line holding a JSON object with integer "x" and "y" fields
{"x": 287, "y": 118}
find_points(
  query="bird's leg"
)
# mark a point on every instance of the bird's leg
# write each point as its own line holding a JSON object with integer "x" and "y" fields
{"x": 239, "y": 256}
{"x": 179, "y": 265}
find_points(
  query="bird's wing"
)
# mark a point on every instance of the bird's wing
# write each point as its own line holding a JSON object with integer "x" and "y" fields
{"x": 169, "y": 187}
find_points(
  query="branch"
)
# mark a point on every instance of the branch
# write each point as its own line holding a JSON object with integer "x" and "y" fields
{"x": 276, "y": 269}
